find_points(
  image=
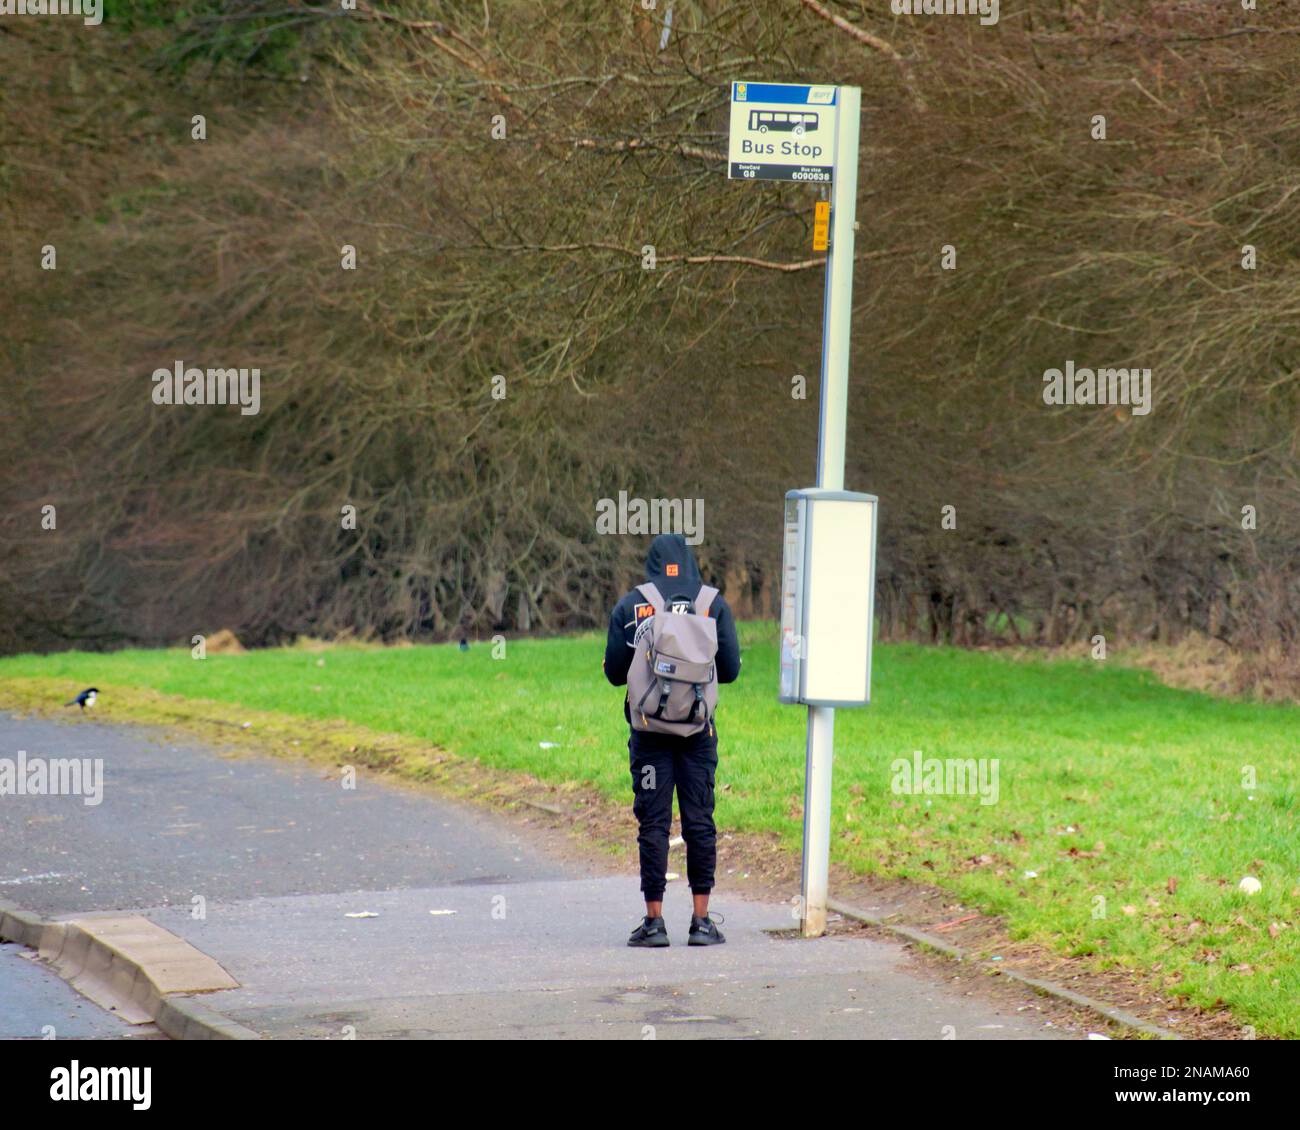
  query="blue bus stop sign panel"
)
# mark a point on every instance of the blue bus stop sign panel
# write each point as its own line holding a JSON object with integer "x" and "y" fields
{"x": 782, "y": 131}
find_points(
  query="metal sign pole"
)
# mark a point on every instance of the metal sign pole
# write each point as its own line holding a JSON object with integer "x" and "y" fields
{"x": 837, "y": 317}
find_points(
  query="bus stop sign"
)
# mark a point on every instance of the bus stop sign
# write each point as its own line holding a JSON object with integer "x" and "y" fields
{"x": 782, "y": 131}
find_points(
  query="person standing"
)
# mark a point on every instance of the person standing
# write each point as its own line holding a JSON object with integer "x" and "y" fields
{"x": 671, "y": 641}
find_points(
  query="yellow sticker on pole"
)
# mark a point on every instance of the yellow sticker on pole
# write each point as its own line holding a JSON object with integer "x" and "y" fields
{"x": 822, "y": 225}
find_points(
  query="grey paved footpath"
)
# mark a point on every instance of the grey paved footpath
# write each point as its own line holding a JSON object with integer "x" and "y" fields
{"x": 533, "y": 949}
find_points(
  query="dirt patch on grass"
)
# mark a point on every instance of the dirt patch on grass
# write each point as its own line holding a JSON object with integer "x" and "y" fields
{"x": 1196, "y": 663}
{"x": 578, "y": 823}
{"x": 1211, "y": 666}
{"x": 224, "y": 642}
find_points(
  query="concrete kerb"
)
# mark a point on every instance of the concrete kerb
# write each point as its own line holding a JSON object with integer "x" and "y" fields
{"x": 939, "y": 945}
{"x": 101, "y": 972}
{"x": 21, "y": 926}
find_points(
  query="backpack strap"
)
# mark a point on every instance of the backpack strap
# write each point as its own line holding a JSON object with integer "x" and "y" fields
{"x": 651, "y": 594}
{"x": 704, "y": 600}
{"x": 695, "y": 706}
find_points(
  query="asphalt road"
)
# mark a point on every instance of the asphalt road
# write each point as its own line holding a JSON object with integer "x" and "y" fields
{"x": 472, "y": 930}
{"x": 35, "y": 1004}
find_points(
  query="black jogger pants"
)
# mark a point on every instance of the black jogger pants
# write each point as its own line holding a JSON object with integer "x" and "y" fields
{"x": 661, "y": 763}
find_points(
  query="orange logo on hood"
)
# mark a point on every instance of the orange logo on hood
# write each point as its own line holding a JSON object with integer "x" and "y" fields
{"x": 670, "y": 571}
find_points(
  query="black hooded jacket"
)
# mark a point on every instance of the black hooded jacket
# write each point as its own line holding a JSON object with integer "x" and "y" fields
{"x": 674, "y": 584}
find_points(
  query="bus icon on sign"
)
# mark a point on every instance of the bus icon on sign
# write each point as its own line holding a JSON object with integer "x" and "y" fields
{"x": 786, "y": 121}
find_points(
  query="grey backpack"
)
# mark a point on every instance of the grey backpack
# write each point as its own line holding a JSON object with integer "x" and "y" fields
{"x": 672, "y": 685}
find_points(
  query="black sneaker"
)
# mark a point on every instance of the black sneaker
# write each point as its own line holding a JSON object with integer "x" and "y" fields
{"x": 705, "y": 932}
{"x": 651, "y": 932}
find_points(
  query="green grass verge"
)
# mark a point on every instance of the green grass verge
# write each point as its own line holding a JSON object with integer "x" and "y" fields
{"x": 1126, "y": 798}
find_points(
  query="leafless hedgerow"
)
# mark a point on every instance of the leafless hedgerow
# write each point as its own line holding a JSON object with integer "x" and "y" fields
{"x": 502, "y": 169}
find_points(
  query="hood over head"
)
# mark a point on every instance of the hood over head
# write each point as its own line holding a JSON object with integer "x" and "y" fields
{"x": 671, "y": 549}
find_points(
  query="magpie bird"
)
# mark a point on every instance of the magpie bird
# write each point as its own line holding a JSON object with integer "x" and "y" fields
{"x": 85, "y": 698}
